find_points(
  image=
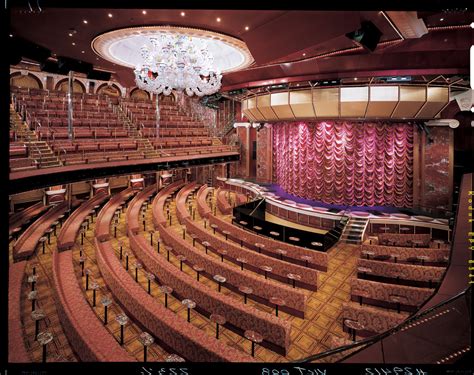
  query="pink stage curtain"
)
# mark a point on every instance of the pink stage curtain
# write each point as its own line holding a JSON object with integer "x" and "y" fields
{"x": 345, "y": 163}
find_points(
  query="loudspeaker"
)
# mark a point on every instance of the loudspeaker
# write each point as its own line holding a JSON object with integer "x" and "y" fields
{"x": 367, "y": 36}
{"x": 49, "y": 66}
{"x": 66, "y": 64}
{"x": 24, "y": 48}
{"x": 99, "y": 75}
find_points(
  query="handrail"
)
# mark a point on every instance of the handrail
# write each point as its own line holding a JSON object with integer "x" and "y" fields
{"x": 382, "y": 335}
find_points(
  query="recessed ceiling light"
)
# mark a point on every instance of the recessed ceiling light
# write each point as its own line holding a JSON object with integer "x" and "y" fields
{"x": 85, "y": 21}
{"x": 70, "y": 34}
{"x": 297, "y": 85}
{"x": 82, "y": 52}
{"x": 355, "y": 78}
{"x": 246, "y": 28}
{"x": 110, "y": 15}
{"x": 441, "y": 19}
{"x": 304, "y": 54}
{"x": 73, "y": 43}
{"x": 11, "y": 35}
{"x": 218, "y": 19}
{"x": 183, "y": 14}
{"x": 472, "y": 25}
{"x": 144, "y": 11}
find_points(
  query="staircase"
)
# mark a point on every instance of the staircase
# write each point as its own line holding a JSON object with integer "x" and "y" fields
{"x": 42, "y": 153}
{"x": 354, "y": 230}
{"x": 144, "y": 145}
{"x": 127, "y": 124}
{"x": 38, "y": 150}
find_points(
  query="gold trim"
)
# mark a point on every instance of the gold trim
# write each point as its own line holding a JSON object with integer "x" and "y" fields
{"x": 425, "y": 101}
{"x": 100, "y": 43}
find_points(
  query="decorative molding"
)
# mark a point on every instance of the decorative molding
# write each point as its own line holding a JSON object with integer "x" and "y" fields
{"x": 102, "y": 43}
{"x": 397, "y": 102}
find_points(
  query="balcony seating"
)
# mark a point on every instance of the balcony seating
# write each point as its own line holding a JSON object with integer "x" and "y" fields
{"x": 22, "y": 164}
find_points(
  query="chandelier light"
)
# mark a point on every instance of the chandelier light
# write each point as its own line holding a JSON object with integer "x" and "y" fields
{"x": 177, "y": 62}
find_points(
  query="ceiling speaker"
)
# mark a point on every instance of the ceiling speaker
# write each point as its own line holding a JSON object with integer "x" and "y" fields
{"x": 367, "y": 36}
{"x": 99, "y": 75}
{"x": 66, "y": 64}
{"x": 24, "y": 48}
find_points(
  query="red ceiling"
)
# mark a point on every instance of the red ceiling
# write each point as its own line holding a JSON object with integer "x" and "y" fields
{"x": 273, "y": 36}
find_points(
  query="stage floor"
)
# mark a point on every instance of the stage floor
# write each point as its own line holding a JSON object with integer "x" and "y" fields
{"x": 374, "y": 210}
{"x": 275, "y": 219}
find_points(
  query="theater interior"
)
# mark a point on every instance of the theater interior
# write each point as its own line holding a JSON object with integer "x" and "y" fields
{"x": 246, "y": 185}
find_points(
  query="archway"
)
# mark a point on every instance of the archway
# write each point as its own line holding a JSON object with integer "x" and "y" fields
{"x": 77, "y": 86}
{"x": 29, "y": 81}
{"x": 110, "y": 90}
{"x": 139, "y": 94}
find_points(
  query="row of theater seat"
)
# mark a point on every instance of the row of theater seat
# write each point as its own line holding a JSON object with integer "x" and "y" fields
{"x": 174, "y": 132}
{"x": 182, "y": 337}
{"x": 275, "y": 331}
{"x": 387, "y": 277}
{"x": 62, "y": 133}
{"x": 293, "y": 254}
{"x": 75, "y": 314}
{"x": 40, "y": 93}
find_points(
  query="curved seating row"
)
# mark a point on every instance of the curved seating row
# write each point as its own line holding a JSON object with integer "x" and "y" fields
{"x": 240, "y": 198}
{"x": 17, "y": 352}
{"x": 381, "y": 294}
{"x": 407, "y": 274}
{"x": 263, "y": 289}
{"x": 280, "y": 269}
{"x": 21, "y": 217}
{"x": 159, "y": 202}
{"x": 319, "y": 259}
{"x": 187, "y": 340}
{"x": 203, "y": 209}
{"x": 403, "y": 239}
{"x": 133, "y": 209}
{"x": 102, "y": 227}
{"x": 70, "y": 228}
{"x": 25, "y": 245}
{"x": 86, "y": 333}
{"x": 372, "y": 319}
{"x": 405, "y": 254}
{"x": 222, "y": 202}
{"x": 275, "y": 331}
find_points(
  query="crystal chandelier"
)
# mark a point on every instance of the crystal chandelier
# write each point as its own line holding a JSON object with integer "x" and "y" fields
{"x": 177, "y": 62}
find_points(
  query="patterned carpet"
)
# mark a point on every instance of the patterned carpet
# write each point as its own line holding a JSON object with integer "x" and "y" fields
{"x": 309, "y": 336}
